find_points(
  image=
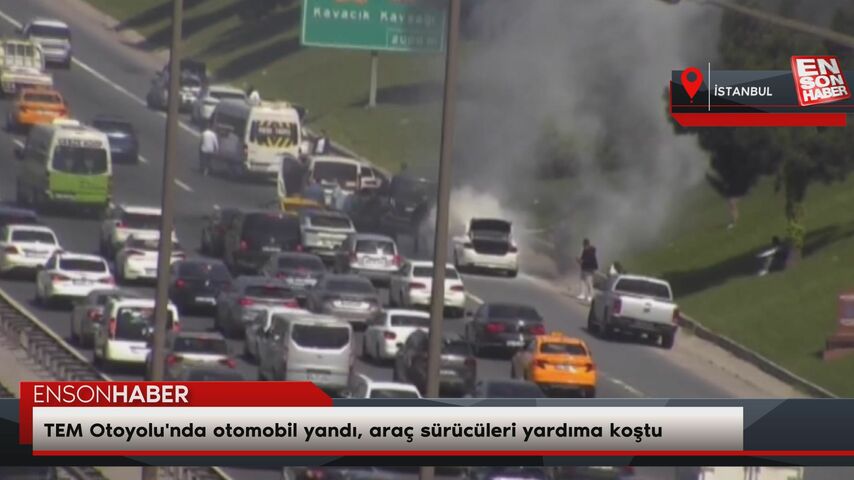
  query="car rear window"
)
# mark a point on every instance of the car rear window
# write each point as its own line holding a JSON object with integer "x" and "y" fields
{"x": 301, "y": 262}
{"x": 456, "y": 347}
{"x": 272, "y": 225}
{"x": 345, "y": 174}
{"x": 330, "y": 221}
{"x": 227, "y": 95}
{"x": 141, "y": 221}
{"x": 350, "y": 286}
{"x": 513, "y": 390}
{"x": 42, "y": 98}
{"x": 81, "y": 265}
{"x": 216, "y": 346}
{"x": 214, "y": 376}
{"x": 427, "y": 272}
{"x": 268, "y": 291}
{"x": 132, "y": 323}
{"x": 409, "y": 321}
{"x": 320, "y": 336}
{"x": 80, "y": 160}
{"x": 643, "y": 287}
{"x": 559, "y": 348}
{"x": 514, "y": 311}
{"x": 33, "y": 236}
{"x": 6, "y": 219}
{"x": 49, "y": 31}
{"x": 375, "y": 247}
{"x": 391, "y": 393}
{"x": 497, "y": 226}
{"x": 212, "y": 271}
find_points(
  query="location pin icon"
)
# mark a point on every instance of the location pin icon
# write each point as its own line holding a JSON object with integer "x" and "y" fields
{"x": 692, "y": 78}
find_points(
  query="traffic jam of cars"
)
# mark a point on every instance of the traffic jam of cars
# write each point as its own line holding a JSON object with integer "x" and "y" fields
{"x": 327, "y": 283}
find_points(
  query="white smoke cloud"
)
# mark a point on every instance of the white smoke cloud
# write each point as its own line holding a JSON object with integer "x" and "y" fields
{"x": 598, "y": 69}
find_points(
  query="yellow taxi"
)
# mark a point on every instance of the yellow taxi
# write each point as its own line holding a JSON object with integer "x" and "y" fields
{"x": 297, "y": 204}
{"x": 557, "y": 362}
{"x": 36, "y": 106}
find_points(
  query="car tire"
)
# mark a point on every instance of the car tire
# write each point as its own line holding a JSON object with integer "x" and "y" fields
{"x": 590, "y": 392}
{"x": 667, "y": 340}
{"x": 592, "y": 327}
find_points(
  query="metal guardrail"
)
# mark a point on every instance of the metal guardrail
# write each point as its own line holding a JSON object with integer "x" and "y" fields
{"x": 59, "y": 358}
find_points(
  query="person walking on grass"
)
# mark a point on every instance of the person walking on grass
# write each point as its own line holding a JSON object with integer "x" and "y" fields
{"x": 589, "y": 265}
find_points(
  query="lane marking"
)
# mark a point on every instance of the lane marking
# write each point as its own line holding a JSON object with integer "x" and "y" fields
{"x": 474, "y": 298}
{"x": 624, "y": 385}
{"x": 100, "y": 76}
{"x": 18, "y": 142}
{"x": 143, "y": 160}
{"x": 183, "y": 186}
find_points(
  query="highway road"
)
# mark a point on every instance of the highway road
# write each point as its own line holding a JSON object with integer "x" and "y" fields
{"x": 109, "y": 79}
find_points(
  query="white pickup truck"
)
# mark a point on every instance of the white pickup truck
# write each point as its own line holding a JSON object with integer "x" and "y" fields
{"x": 739, "y": 473}
{"x": 22, "y": 64}
{"x": 636, "y": 305}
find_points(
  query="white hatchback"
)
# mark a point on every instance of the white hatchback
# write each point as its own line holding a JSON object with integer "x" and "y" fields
{"x": 137, "y": 259}
{"x": 71, "y": 275}
{"x": 387, "y": 331}
{"x": 121, "y": 337}
{"x": 26, "y": 247}
{"x": 412, "y": 287}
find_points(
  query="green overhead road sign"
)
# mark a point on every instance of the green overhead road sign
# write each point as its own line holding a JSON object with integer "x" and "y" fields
{"x": 389, "y": 25}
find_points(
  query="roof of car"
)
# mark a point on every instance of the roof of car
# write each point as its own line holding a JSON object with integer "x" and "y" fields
{"x": 352, "y": 277}
{"x": 297, "y": 316}
{"x": 29, "y": 226}
{"x": 335, "y": 158}
{"x": 225, "y": 88}
{"x": 199, "y": 334}
{"x": 560, "y": 337}
{"x": 49, "y": 22}
{"x": 138, "y": 302}
{"x": 374, "y": 237}
{"x": 260, "y": 280}
{"x": 21, "y": 212}
{"x": 143, "y": 210}
{"x": 404, "y": 311}
{"x": 297, "y": 255}
{"x": 80, "y": 256}
{"x": 642, "y": 277}
{"x": 389, "y": 385}
{"x": 428, "y": 263}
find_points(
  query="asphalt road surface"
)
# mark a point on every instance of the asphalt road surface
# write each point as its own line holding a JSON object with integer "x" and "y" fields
{"x": 107, "y": 80}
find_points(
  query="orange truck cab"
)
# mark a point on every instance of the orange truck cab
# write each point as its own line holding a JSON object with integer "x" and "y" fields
{"x": 557, "y": 363}
{"x": 36, "y": 106}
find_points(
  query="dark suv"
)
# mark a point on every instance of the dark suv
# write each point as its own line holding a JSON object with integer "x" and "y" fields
{"x": 124, "y": 144}
{"x": 503, "y": 326}
{"x": 252, "y": 237}
{"x": 458, "y": 367}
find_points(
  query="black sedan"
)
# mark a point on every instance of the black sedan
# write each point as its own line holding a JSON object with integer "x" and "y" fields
{"x": 196, "y": 283}
{"x": 124, "y": 143}
{"x": 503, "y": 326}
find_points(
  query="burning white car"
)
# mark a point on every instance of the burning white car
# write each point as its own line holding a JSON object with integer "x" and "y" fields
{"x": 487, "y": 244}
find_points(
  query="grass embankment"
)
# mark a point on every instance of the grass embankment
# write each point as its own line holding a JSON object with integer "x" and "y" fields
{"x": 257, "y": 42}
{"x": 785, "y": 316}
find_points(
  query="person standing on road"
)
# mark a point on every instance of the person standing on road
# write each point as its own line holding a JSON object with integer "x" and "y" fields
{"x": 254, "y": 95}
{"x": 589, "y": 265}
{"x": 293, "y": 175}
{"x": 321, "y": 145}
{"x": 208, "y": 147}
{"x": 314, "y": 190}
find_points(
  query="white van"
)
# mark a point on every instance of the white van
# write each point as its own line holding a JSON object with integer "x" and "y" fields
{"x": 253, "y": 138}
{"x": 307, "y": 347}
{"x": 121, "y": 336}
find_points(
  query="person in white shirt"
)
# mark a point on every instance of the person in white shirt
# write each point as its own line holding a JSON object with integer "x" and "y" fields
{"x": 254, "y": 96}
{"x": 208, "y": 147}
{"x": 322, "y": 143}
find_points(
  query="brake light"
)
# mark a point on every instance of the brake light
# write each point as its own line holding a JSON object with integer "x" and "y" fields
{"x": 537, "y": 329}
{"x": 676, "y": 315}
{"x": 617, "y": 307}
{"x": 298, "y": 248}
{"x": 495, "y": 327}
{"x": 243, "y": 245}
{"x": 541, "y": 363}
{"x": 590, "y": 367}
{"x": 314, "y": 475}
{"x": 94, "y": 315}
{"x": 417, "y": 286}
{"x": 397, "y": 260}
{"x": 180, "y": 283}
{"x": 111, "y": 328}
{"x": 172, "y": 359}
{"x": 228, "y": 362}
{"x": 58, "y": 278}
{"x": 281, "y": 275}
{"x": 179, "y": 256}
{"x": 458, "y": 288}
{"x": 11, "y": 249}
{"x": 389, "y": 335}
{"x": 120, "y": 224}
{"x": 245, "y": 302}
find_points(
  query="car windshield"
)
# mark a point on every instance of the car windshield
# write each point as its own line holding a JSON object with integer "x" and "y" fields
{"x": 33, "y": 236}
{"x": 271, "y": 226}
{"x": 523, "y": 312}
{"x": 643, "y": 287}
{"x": 320, "y": 336}
{"x": 227, "y": 95}
{"x": 82, "y": 265}
{"x": 392, "y": 393}
{"x": 112, "y": 126}
{"x": 301, "y": 263}
{"x": 80, "y": 160}
{"x": 345, "y": 174}
{"x": 50, "y": 31}
{"x": 214, "y": 376}
{"x": 375, "y": 247}
{"x": 456, "y": 347}
{"x": 558, "y": 348}
{"x": 427, "y": 272}
{"x": 409, "y": 321}
{"x": 140, "y": 221}
{"x": 268, "y": 291}
{"x": 215, "y": 346}
{"x": 513, "y": 390}
{"x": 43, "y": 97}
{"x": 330, "y": 221}
{"x": 350, "y": 286}
{"x": 212, "y": 271}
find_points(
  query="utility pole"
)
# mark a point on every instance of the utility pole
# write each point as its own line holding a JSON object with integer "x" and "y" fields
{"x": 164, "y": 251}
{"x": 440, "y": 242}
{"x": 372, "y": 92}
